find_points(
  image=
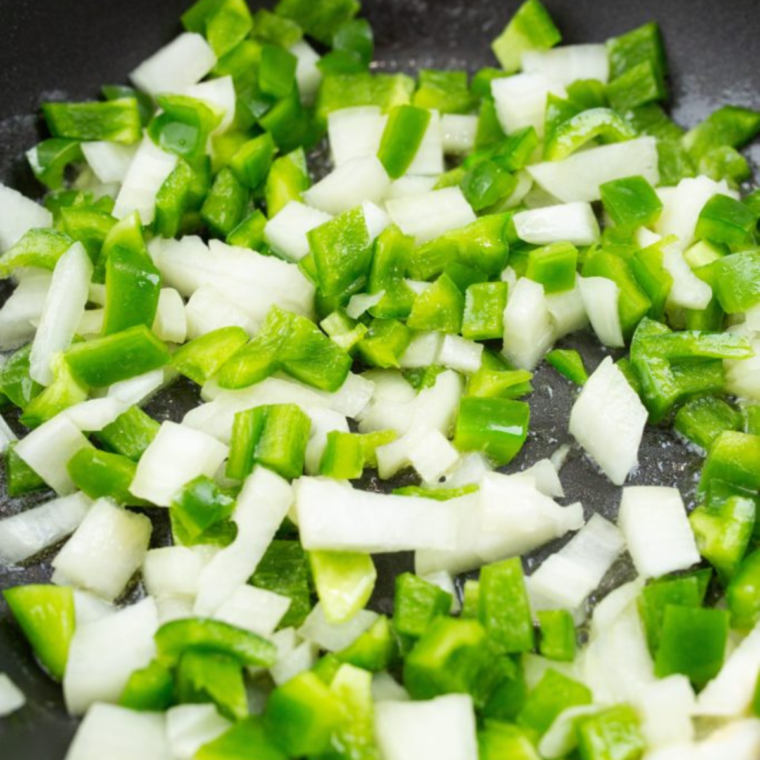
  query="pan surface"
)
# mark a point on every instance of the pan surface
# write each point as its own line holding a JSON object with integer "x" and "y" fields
{"x": 65, "y": 49}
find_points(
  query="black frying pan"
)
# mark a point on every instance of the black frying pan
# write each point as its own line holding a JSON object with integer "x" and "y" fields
{"x": 67, "y": 48}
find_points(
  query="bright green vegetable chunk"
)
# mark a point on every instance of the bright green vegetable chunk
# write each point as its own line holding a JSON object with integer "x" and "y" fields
{"x": 201, "y": 358}
{"x": 735, "y": 281}
{"x": 703, "y": 419}
{"x": 225, "y": 23}
{"x": 504, "y": 740}
{"x": 286, "y": 180}
{"x": 200, "y": 513}
{"x": 613, "y": 734}
{"x": 402, "y": 138}
{"x": 344, "y": 582}
{"x": 484, "y": 304}
{"x": 558, "y": 638}
{"x": 487, "y": 183}
{"x": 277, "y": 71}
{"x": 45, "y": 614}
{"x": 638, "y": 86}
{"x": 504, "y": 608}
{"x": 631, "y": 202}
{"x": 113, "y": 121}
{"x": 734, "y": 458}
{"x": 496, "y": 426}
{"x": 743, "y": 593}
{"x": 343, "y": 331}
{"x": 226, "y": 204}
{"x": 693, "y": 643}
{"x": 363, "y": 89}
{"x": 531, "y": 28}
{"x": 252, "y": 161}
{"x": 374, "y": 650}
{"x": 274, "y": 436}
{"x": 130, "y": 433}
{"x": 574, "y": 132}
{"x": 248, "y": 739}
{"x": 416, "y": 603}
{"x": 353, "y": 48}
{"x": 183, "y": 125}
{"x": 726, "y": 220}
{"x": 729, "y": 125}
{"x": 149, "y": 689}
{"x": 439, "y": 308}
{"x": 569, "y": 363}
{"x": 343, "y": 456}
{"x": 37, "y": 248}
{"x": 50, "y": 158}
{"x": 302, "y": 714}
{"x": 62, "y": 393}
{"x": 175, "y": 638}
{"x": 444, "y": 91}
{"x": 284, "y": 569}
{"x": 212, "y": 677}
{"x": 250, "y": 232}
{"x": 108, "y": 360}
{"x": 551, "y": 695}
{"x": 639, "y": 57}
{"x": 173, "y": 200}
{"x": 100, "y": 474}
{"x": 553, "y": 266}
{"x": 384, "y": 343}
{"x": 319, "y": 20}
{"x": 648, "y": 268}
{"x": 20, "y": 478}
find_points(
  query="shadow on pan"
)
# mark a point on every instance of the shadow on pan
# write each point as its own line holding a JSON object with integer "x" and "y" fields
{"x": 67, "y": 49}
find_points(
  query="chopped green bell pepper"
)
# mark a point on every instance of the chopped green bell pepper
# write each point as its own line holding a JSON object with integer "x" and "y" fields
{"x": 531, "y": 28}
{"x": 112, "y": 121}
{"x": 496, "y": 426}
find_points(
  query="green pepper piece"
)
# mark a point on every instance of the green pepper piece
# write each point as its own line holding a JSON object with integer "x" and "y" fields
{"x": 318, "y": 20}
{"x": 113, "y": 121}
{"x": 531, "y": 28}
{"x": 417, "y": 603}
{"x": 639, "y": 46}
{"x": 734, "y": 458}
{"x": 391, "y": 251}
{"x": 631, "y": 202}
{"x": 50, "y": 158}
{"x": 250, "y": 233}
{"x": 200, "y": 513}
{"x": 638, "y": 86}
{"x": 552, "y": 694}
{"x": 484, "y": 304}
{"x": 149, "y": 689}
{"x": 40, "y": 248}
{"x": 277, "y": 30}
{"x": 173, "y": 200}
{"x": 130, "y": 433}
{"x": 439, "y": 308}
{"x": 587, "y": 93}
{"x": 46, "y": 616}
{"x": 509, "y": 624}
{"x": 384, "y": 343}
{"x": 735, "y": 280}
{"x": 554, "y": 266}
{"x": 362, "y": 89}
{"x": 248, "y": 739}
{"x": 489, "y": 129}
{"x": 62, "y": 393}
{"x": 595, "y": 123}
{"x": 252, "y": 161}
{"x": 343, "y": 456}
{"x": 486, "y": 184}
{"x": 277, "y": 71}
{"x": 90, "y": 226}
{"x": 725, "y": 162}
{"x": 15, "y": 381}
{"x": 470, "y": 599}
{"x": 228, "y": 25}
{"x": 743, "y": 593}
{"x": 374, "y": 650}
{"x": 201, "y": 358}
{"x": 226, "y": 204}
{"x": 613, "y": 734}
{"x": 490, "y": 382}
{"x": 444, "y": 91}
{"x": 344, "y": 582}
{"x": 176, "y": 637}
{"x": 286, "y": 180}
{"x": 212, "y": 677}
{"x": 693, "y": 643}
{"x": 402, "y": 138}
{"x": 439, "y": 494}
{"x": 703, "y": 419}
{"x": 558, "y": 637}
{"x": 498, "y": 740}
{"x": 569, "y": 363}
{"x": 302, "y": 714}
{"x": 496, "y": 426}
{"x": 650, "y": 273}
{"x": 108, "y": 360}
{"x": 145, "y": 103}
{"x": 726, "y": 220}
{"x": 20, "y": 478}
{"x": 343, "y": 331}
{"x": 100, "y": 474}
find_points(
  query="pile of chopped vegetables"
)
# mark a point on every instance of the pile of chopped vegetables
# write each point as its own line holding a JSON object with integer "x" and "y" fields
{"x": 386, "y": 317}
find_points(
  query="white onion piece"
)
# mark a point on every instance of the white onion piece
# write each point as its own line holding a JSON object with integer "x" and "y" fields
{"x": 666, "y": 707}
{"x": 11, "y": 697}
{"x": 600, "y": 298}
{"x": 682, "y": 205}
{"x": 608, "y": 420}
{"x": 106, "y": 652}
{"x": 177, "y": 455}
{"x": 737, "y": 741}
{"x": 109, "y": 161}
{"x": 687, "y": 291}
{"x": 333, "y": 637}
{"x": 730, "y": 693}
{"x": 300, "y": 658}
{"x": 22, "y": 311}
{"x": 174, "y": 608}
{"x": 567, "y": 311}
{"x": 428, "y": 215}
{"x": 336, "y": 517}
{"x": 410, "y": 185}
{"x": 460, "y": 354}
{"x": 566, "y": 578}
{"x": 535, "y": 667}
{"x": 323, "y": 421}
{"x": 422, "y": 351}
{"x": 546, "y": 478}
{"x": 577, "y": 178}
{"x": 18, "y": 215}
{"x": 434, "y": 456}
{"x": 48, "y": 449}
{"x": 148, "y": 171}
{"x": 521, "y": 100}
{"x": 189, "y": 727}
{"x": 471, "y": 469}
{"x": 609, "y": 609}
{"x": 286, "y": 231}
{"x": 106, "y": 550}
{"x": 743, "y": 377}
{"x": 175, "y": 67}
{"x": 120, "y": 734}
{"x": 357, "y": 180}
{"x": 219, "y": 94}
{"x": 571, "y": 222}
{"x": 385, "y": 688}
{"x": 95, "y": 413}
{"x": 438, "y": 729}
{"x": 528, "y": 329}
{"x": 171, "y": 571}
{"x": 429, "y": 157}
{"x": 89, "y": 607}
{"x": 254, "y": 609}
{"x": 91, "y": 323}
{"x": 568, "y": 63}
{"x": 458, "y": 133}
{"x": 208, "y": 309}
{"x": 63, "y": 308}
{"x": 170, "y": 323}
{"x": 657, "y": 531}
{"x": 138, "y": 389}
{"x": 375, "y": 218}
{"x": 520, "y": 193}
{"x": 7, "y": 436}
{"x": 261, "y": 507}
{"x": 28, "y": 533}
{"x": 354, "y": 133}
{"x": 308, "y": 75}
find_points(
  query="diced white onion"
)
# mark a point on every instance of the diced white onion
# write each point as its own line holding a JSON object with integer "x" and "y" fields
{"x": 138, "y": 389}
{"x": 299, "y": 659}
{"x": 657, "y": 531}
{"x": 429, "y": 157}
{"x": 175, "y": 67}
{"x": 546, "y": 478}
{"x": 521, "y": 100}
{"x": 434, "y": 456}
{"x": 422, "y": 351}
{"x": 308, "y": 75}
{"x": 95, "y": 413}
{"x": 208, "y": 309}
{"x": 286, "y": 231}
{"x": 254, "y": 609}
{"x": 63, "y": 308}
{"x": 354, "y": 133}
{"x": 175, "y": 456}
{"x": 528, "y": 329}
{"x": 91, "y": 323}
{"x": 385, "y": 688}
{"x": 687, "y": 291}
{"x": 578, "y": 177}
{"x": 11, "y": 697}
{"x": 600, "y": 298}
{"x": 189, "y": 727}
{"x": 608, "y": 420}
{"x": 219, "y": 94}
{"x": 375, "y": 218}
{"x": 437, "y": 729}
{"x": 409, "y": 185}
{"x": 170, "y": 323}
{"x": 109, "y": 161}
{"x": 666, "y": 707}
{"x": 333, "y": 637}
{"x": 743, "y": 377}
{"x": 460, "y": 354}
{"x": 458, "y": 133}
{"x": 567, "y": 312}
{"x": 89, "y": 607}
{"x": 568, "y": 63}
{"x": 362, "y": 302}
{"x": 357, "y": 180}
{"x": 171, "y": 571}
{"x": 571, "y": 222}
{"x": 18, "y": 215}
{"x": 22, "y": 311}
{"x": 428, "y": 215}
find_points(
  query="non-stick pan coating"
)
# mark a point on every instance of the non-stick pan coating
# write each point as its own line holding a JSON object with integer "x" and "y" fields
{"x": 56, "y": 49}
